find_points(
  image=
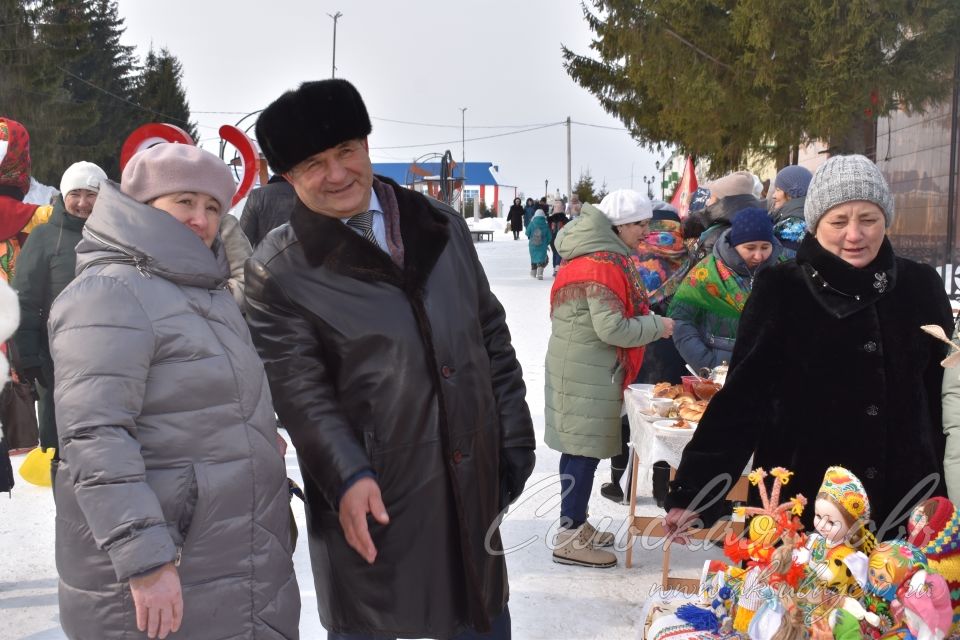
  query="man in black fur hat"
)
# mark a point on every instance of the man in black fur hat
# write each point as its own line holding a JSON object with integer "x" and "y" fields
{"x": 391, "y": 366}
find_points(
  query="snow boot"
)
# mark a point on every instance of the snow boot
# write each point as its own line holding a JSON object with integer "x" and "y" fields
{"x": 539, "y": 273}
{"x": 573, "y": 546}
{"x": 612, "y": 491}
{"x": 661, "y": 482}
{"x": 533, "y": 272}
{"x": 599, "y": 539}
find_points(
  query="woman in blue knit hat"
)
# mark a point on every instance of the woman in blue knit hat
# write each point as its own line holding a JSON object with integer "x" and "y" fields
{"x": 708, "y": 303}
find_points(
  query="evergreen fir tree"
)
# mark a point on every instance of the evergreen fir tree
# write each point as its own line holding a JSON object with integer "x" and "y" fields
{"x": 105, "y": 75}
{"x": 59, "y": 124}
{"x": 32, "y": 83}
{"x": 161, "y": 90}
{"x": 584, "y": 188}
{"x": 720, "y": 79}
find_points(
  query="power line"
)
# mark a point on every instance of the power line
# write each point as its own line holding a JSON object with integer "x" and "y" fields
{"x": 600, "y": 126}
{"x": 457, "y": 126}
{"x": 498, "y": 135}
{"x": 130, "y": 102}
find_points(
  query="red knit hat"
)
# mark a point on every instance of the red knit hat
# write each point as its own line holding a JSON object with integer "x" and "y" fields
{"x": 14, "y": 155}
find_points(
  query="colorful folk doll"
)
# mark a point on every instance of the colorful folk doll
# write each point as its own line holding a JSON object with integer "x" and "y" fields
{"x": 923, "y": 606}
{"x": 890, "y": 565}
{"x": 934, "y": 528}
{"x": 835, "y": 555}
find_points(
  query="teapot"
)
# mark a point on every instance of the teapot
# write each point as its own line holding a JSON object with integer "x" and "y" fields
{"x": 719, "y": 373}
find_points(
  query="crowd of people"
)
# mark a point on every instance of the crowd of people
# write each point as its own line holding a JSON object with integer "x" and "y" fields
{"x": 168, "y": 340}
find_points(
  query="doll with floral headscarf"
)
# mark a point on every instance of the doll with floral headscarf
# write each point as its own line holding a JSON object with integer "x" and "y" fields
{"x": 17, "y": 217}
{"x": 835, "y": 554}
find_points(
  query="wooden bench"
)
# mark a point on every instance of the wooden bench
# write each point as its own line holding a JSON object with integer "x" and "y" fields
{"x": 479, "y": 234}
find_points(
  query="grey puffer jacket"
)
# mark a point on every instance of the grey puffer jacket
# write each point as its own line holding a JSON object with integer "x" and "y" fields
{"x": 167, "y": 437}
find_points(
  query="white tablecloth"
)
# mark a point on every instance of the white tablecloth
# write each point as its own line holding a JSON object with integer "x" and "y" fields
{"x": 652, "y": 444}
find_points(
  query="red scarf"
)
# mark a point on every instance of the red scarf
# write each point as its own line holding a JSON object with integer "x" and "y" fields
{"x": 14, "y": 216}
{"x": 613, "y": 279}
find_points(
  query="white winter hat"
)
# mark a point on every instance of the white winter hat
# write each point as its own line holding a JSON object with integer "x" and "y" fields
{"x": 82, "y": 175}
{"x": 624, "y": 206}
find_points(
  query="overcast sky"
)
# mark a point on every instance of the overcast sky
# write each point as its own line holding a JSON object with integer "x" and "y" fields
{"x": 416, "y": 61}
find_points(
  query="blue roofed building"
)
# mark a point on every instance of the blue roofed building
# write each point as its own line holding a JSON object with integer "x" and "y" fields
{"x": 483, "y": 182}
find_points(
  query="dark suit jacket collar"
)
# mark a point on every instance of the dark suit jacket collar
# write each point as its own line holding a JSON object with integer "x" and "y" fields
{"x": 329, "y": 243}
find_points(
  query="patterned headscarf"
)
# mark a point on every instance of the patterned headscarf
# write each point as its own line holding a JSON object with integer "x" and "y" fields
{"x": 662, "y": 259}
{"x": 14, "y": 155}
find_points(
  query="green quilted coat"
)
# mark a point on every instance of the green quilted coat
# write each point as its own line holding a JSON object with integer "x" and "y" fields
{"x": 584, "y": 382}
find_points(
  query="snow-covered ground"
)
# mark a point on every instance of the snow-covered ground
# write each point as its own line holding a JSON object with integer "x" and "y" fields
{"x": 548, "y": 601}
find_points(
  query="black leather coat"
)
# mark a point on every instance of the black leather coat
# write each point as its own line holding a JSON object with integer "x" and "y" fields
{"x": 406, "y": 371}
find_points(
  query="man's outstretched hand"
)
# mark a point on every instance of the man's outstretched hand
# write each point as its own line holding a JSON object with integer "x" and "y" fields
{"x": 359, "y": 500}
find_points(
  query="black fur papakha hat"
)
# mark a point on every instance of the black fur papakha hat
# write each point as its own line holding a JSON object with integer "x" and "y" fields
{"x": 316, "y": 117}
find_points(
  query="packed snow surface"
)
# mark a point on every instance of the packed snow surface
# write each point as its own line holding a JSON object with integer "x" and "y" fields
{"x": 548, "y": 601}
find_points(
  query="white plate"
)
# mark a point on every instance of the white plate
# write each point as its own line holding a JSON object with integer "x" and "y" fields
{"x": 667, "y": 425}
{"x": 642, "y": 388}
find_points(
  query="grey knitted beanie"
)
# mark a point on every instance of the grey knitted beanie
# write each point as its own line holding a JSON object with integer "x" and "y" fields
{"x": 845, "y": 179}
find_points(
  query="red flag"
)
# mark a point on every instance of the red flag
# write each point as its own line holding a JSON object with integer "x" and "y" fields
{"x": 688, "y": 184}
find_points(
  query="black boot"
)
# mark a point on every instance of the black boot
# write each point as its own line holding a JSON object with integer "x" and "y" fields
{"x": 661, "y": 482}
{"x": 612, "y": 491}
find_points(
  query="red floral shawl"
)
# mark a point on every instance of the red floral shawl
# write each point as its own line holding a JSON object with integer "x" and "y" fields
{"x": 613, "y": 279}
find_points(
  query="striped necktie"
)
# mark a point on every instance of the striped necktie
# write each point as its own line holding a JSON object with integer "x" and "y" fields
{"x": 363, "y": 223}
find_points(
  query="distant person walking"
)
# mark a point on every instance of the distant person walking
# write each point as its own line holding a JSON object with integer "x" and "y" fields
{"x": 528, "y": 210}
{"x": 538, "y": 239}
{"x": 515, "y": 218}
{"x": 558, "y": 219}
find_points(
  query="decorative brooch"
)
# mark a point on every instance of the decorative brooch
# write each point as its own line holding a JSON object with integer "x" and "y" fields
{"x": 881, "y": 284}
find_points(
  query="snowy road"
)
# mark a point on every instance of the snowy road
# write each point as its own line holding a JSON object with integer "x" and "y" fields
{"x": 548, "y": 601}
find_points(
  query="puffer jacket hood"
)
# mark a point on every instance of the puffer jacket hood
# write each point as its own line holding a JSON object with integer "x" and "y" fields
{"x": 727, "y": 253}
{"x": 122, "y": 230}
{"x": 168, "y": 440}
{"x": 590, "y": 232}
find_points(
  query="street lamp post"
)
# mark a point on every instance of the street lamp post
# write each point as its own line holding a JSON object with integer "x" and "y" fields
{"x": 648, "y": 180}
{"x": 336, "y": 16}
{"x": 463, "y": 162}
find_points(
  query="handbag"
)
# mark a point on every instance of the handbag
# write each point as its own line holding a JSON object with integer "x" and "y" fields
{"x": 18, "y": 414}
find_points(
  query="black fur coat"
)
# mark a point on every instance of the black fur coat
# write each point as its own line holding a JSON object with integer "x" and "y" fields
{"x": 830, "y": 367}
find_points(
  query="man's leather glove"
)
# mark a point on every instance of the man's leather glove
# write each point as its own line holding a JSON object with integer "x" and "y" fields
{"x": 34, "y": 375}
{"x": 516, "y": 465}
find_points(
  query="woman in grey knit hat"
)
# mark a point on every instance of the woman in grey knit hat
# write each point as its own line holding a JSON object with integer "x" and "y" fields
{"x": 830, "y": 366}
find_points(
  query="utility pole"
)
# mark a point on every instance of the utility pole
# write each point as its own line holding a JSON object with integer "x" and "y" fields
{"x": 463, "y": 161}
{"x": 569, "y": 182}
{"x": 336, "y": 16}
